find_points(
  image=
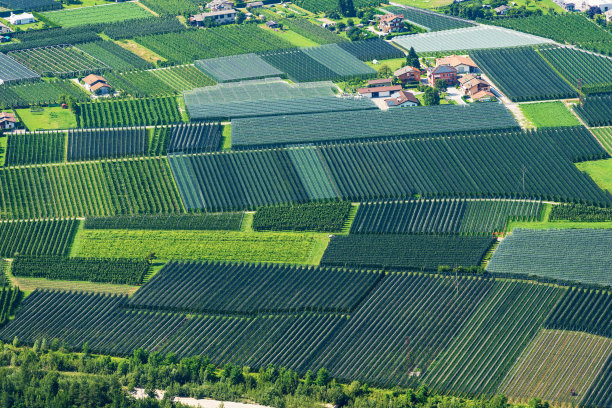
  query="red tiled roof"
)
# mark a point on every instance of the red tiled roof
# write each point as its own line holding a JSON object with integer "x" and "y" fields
{"x": 8, "y": 117}
{"x": 92, "y": 79}
{"x": 482, "y": 94}
{"x": 391, "y": 17}
{"x": 99, "y": 85}
{"x": 454, "y": 60}
{"x": 380, "y": 81}
{"x": 392, "y": 88}
{"x": 406, "y": 69}
{"x": 404, "y": 96}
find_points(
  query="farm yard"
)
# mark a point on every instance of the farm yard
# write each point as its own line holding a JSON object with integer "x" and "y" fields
{"x": 305, "y": 204}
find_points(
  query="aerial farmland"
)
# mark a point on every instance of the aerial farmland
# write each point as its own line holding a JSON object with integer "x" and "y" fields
{"x": 313, "y": 203}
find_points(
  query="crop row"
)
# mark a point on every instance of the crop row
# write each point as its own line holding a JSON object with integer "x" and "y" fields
{"x": 325, "y": 217}
{"x": 522, "y": 75}
{"x": 331, "y": 126}
{"x": 455, "y": 216}
{"x": 471, "y": 166}
{"x": 100, "y": 188}
{"x": 423, "y": 252}
{"x": 118, "y": 271}
{"x": 22, "y": 95}
{"x": 582, "y": 255}
{"x": 49, "y": 237}
{"x": 253, "y": 288}
{"x": 207, "y": 221}
{"x": 61, "y": 61}
{"x": 129, "y": 112}
{"x": 596, "y": 110}
{"x": 580, "y": 213}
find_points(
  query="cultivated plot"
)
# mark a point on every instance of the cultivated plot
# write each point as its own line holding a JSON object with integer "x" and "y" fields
{"x": 471, "y": 38}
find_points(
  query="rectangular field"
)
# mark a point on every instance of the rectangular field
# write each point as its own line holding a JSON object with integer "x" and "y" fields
{"x": 11, "y": 70}
{"x": 522, "y": 74}
{"x": 201, "y": 245}
{"x": 61, "y": 61}
{"x": 581, "y": 255}
{"x": 324, "y": 127}
{"x": 471, "y": 38}
{"x": 97, "y": 14}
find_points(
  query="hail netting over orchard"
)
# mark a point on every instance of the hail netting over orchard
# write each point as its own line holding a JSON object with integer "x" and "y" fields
{"x": 470, "y": 38}
{"x": 268, "y": 97}
{"x": 11, "y": 70}
{"x": 430, "y": 20}
{"x": 324, "y": 127}
{"x": 475, "y": 165}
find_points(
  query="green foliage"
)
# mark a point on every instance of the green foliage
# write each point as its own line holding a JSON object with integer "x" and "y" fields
{"x": 172, "y": 7}
{"x": 210, "y": 221}
{"x": 187, "y": 46}
{"x": 117, "y": 271}
{"x": 455, "y": 216}
{"x": 431, "y": 97}
{"x": 33, "y": 148}
{"x": 425, "y": 252}
{"x": 39, "y": 93}
{"x": 583, "y": 310}
{"x": 52, "y": 36}
{"x": 522, "y": 74}
{"x": 412, "y": 59}
{"x": 183, "y": 78}
{"x": 367, "y": 171}
{"x": 317, "y": 6}
{"x": 95, "y": 15}
{"x": 596, "y": 110}
{"x": 89, "y": 144}
{"x": 10, "y": 297}
{"x": 371, "y": 49}
{"x": 251, "y": 289}
{"x": 576, "y": 65}
{"x": 129, "y": 112}
{"x": 50, "y": 237}
{"x": 96, "y": 188}
{"x": 323, "y": 217}
{"x": 114, "y": 56}
{"x": 312, "y": 31}
{"x": 580, "y": 213}
{"x": 570, "y": 28}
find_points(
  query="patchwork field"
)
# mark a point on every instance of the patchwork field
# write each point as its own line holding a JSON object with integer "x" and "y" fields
{"x": 93, "y": 15}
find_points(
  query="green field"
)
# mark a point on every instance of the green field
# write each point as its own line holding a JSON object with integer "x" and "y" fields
{"x": 549, "y": 114}
{"x": 99, "y": 14}
{"x": 50, "y": 118}
{"x": 305, "y": 248}
{"x": 293, "y": 37}
{"x": 600, "y": 171}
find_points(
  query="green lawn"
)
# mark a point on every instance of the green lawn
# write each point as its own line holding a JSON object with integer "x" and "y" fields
{"x": 87, "y": 3}
{"x": 393, "y": 63}
{"x": 291, "y": 36}
{"x": 549, "y": 114}
{"x": 600, "y": 171}
{"x": 50, "y": 118}
{"x": 303, "y": 248}
{"x": 227, "y": 137}
{"x": 98, "y": 14}
{"x": 604, "y": 135}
